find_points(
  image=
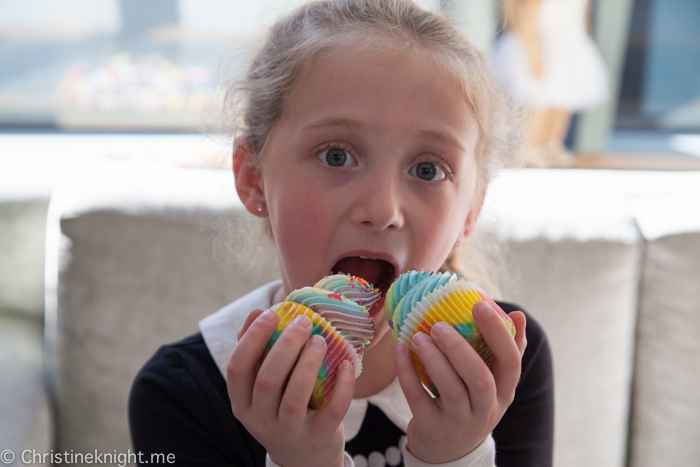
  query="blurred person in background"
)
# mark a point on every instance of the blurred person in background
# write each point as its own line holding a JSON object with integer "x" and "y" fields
{"x": 547, "y": 60}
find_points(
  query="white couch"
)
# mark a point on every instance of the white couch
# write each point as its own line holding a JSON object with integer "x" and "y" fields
{"x": 608, "y": 262}
{"x": 25, "y": 412}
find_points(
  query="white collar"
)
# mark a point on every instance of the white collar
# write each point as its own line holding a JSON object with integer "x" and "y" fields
{"x": 219, "y": 333}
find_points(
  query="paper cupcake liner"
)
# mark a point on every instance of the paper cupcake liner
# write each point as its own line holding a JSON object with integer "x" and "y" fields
{"x": 350, "y": 319}
{"x": 337, "y": 349}
{"x": 453, "y": 304}
{"x": 409, "y": 289}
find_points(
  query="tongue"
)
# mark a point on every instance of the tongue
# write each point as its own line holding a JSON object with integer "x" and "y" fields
{"x": 371, "y": 270}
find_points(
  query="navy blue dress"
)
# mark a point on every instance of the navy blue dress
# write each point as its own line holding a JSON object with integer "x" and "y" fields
{"x": 179, "y": 404}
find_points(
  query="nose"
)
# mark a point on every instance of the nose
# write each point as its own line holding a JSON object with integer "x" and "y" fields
{"x": 379, "y": 204}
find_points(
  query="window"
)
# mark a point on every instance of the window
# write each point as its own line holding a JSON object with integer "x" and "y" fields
{"x": 128, "y": 65}
{"x": 661, "y": 81}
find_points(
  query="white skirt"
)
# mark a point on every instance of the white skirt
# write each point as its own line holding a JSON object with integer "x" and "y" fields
{"x": 574, "y": 74}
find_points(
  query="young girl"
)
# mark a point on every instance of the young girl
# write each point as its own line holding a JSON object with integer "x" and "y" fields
{"x": 369, "y": 131}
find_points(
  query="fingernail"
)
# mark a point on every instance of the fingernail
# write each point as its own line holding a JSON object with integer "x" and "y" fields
{"x": 302, "y": 321}
{"x": 419, "y": 339}
{"x": 268, "y": 315}
{"x": 440, "y": 328}
{"x": 400, "y": 349}
{"x": 483, "y": 310}
{"x": 346, "y": 365}
{"x": 316, "y": 342}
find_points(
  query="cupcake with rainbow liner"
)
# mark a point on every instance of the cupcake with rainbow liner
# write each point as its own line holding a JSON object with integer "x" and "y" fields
{"x": 419, "y": 299}
{"x": 335, "y": 307}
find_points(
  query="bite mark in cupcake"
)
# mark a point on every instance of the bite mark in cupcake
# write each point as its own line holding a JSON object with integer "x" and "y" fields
{"x": 376, "y": 268}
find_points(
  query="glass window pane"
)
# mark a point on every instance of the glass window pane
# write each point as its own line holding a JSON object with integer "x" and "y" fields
{"x": 125, "y": 64}
{"x": 661, "y": 83}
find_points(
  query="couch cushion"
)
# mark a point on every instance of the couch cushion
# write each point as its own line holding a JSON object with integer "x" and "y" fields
{"x": 138, "y": 255}
{"x": 574, "y": 256}
{"x": 666, "y": 407}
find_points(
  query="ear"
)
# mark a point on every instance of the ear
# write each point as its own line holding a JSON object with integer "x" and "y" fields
{"x": 473, "y": 216}
{"x": 247, "y": 178}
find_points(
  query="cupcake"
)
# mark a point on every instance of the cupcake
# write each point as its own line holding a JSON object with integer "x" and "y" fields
{"x": 419, "y": 299}
{"x": 413, "y": 286}
{"x": 350, "y": 319}
{"x": 351, "y": 287}
{"x": 343, "y": 323}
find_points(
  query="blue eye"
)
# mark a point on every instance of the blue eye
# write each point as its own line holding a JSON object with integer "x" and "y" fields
{"x": 336, "y": 157}
{"x": 427, "y": 171}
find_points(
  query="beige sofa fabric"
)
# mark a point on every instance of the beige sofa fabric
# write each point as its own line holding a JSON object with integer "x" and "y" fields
{"x": 137, "y": 254}
{"x": 138, "y": 268}
{"x": 25, "y": 189}
{"x": 584, "y": 294}
{"x": 575, "y": 254}
{"x": 25, "y": 417}
{"x": 26, "y": 421}
{"x": 22, "y": 251}
{"x": 666, "y": 412}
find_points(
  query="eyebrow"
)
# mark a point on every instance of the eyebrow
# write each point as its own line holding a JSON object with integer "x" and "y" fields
{"x": 335, "y": 122}
{"x": 443, "y": 137}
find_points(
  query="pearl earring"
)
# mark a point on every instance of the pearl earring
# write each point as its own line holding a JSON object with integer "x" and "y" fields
{"x": 259, "y": 207}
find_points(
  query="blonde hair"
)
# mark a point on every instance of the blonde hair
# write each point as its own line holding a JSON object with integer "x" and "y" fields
{"x": 257, "y": 102}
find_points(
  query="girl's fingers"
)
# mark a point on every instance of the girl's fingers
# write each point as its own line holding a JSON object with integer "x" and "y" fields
{"x": 275, "y": 370}
{"x": 301, "y": 383}
{"x": 332, "y": 413}
{"x": 248, "y": 321}
{"x": 469, "y": 367}
{"x": 519, "y": 321}
{"x": 453, "y": 392}
{"x": 240, "y": 371}
{"x": 506, "y": 354}
{"x": 422, "y": 405}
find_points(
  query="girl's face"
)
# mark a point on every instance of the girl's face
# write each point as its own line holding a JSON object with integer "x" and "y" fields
{"x": 371, "y": 170}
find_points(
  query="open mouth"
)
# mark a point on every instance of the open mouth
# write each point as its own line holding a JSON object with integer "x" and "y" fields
{"x": 378, "y": 272}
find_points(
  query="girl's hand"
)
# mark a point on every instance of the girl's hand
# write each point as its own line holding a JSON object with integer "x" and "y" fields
{"x": 272, "y": 402}
{"x": 472, "y": 398}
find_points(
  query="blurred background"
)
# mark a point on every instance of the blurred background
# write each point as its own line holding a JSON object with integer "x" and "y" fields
{"x": 120, "y": 227}
{"x": 159, "y": 66}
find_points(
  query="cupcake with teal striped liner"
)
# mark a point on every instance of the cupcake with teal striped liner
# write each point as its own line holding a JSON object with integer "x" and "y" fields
{"x": 407, "y": 290}
{"x": 433, "y": 298}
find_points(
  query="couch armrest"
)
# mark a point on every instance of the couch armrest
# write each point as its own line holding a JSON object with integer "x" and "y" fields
{"x": 26, "y": 421}
{"x": 665, "y": 425}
